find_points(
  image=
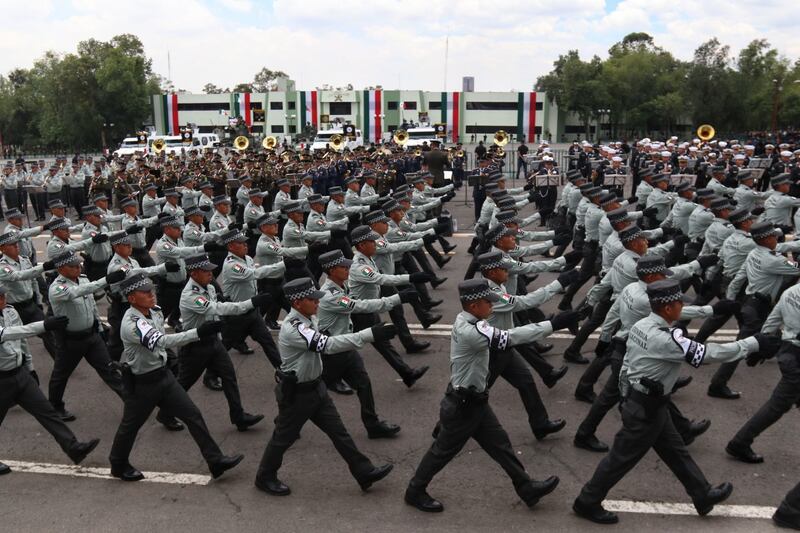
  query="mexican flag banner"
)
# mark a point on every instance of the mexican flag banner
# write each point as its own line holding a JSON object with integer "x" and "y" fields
{"x": 307, "y": 106}
{"x": 526, "y": 117}
{"x": 373, "y": 108}
{"x": 240, "y": 107}
{"x": 451, "y": 103}
{"x": 169, "y": 104}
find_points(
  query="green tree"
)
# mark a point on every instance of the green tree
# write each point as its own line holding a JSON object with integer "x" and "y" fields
{"x": 264, "y": 78}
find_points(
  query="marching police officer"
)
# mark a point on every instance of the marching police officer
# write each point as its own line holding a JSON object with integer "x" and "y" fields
{"x": 465, "y": 412}
{"x": 97, "y": 254}
{"x": 71, "y": 294}
{"x": 654, "y": 353}
{"x": 239, "y": 283}
{"x": 19, "y": 384}
{"x": 301, "y": 393}
{"x": 134, "y": 225}
{"x": 149, "y": 383}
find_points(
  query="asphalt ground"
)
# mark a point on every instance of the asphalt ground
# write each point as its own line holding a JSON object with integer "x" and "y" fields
{"x": 476, "y": 493}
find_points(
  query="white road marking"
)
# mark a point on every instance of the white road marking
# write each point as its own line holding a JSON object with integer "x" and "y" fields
{"x": 104, "y": 473}
{"x": 664, "y": 508}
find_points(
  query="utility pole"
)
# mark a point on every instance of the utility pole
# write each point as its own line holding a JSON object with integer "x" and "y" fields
{"x": 446, "y": 54}
{"x": 169, "y": 69}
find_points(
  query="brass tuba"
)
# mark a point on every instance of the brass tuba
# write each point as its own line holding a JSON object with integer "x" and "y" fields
{"x": 241, "y": 143}
{"x": 400, "y": 137}
{"x": 706, "y": 132}
{"x": 269, "y": 142}
{"x": 159, "y": 145}
{"x": 500, "y": 138}
{"x": 336, "y": 142}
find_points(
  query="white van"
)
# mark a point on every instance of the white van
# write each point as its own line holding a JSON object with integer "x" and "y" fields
{"x": 418, "y": 136}
{"x": 129, "y": 146}
{"x": 201, "y": 141}
{"x": 323, "y": 138}
{"x": 173, "y": 144}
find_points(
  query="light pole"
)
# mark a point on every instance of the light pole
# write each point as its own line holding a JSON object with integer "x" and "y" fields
{"x": 103, "y": 135}
{"x": 600, "y": 114}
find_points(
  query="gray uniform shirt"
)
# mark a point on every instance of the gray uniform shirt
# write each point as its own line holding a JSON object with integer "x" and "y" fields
{"x": 778, "y": 208}
{"x": 270, "y": 251}
{"x": 169, "y": 250}
{"x": 366, "y": 278}
{"x": 295, "y": 235}
{"x": 765, "y": 271}
{"x": 98, "y": 252}
{"x": 56, "y": 246}
{"x": 239, "y": 275}
{"x": 144, "y": 341}
{"x": 19, "y": 278}
{"x": 76, "y": 300}
{"x": 199, "y": 305}
{"x": 14, "y": 350}
{"x": 785, "y": 316}
{"x": 503, "y": 310}
{"x": 336, "y": 306}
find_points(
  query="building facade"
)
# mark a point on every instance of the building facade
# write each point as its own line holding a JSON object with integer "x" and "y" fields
{"x": 468, "y": 116}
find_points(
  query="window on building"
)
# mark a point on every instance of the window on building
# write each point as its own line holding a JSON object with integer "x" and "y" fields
{"x": 292, "y": 129}
{"x": 204, "y": 106}
{"x": 258, "y": 115}
{"x": 392, "y": 106}
{"x": 434, "y": 105}
{"x": 474, "y": 128}
{"x": 276, "y": 129}
{"x": 409, "y": 105}
{"x": 257, "y": 129}
{"x": 340, "y": 108}
{"x": 256, "y": 105}
{"x": 276, "y": 105}
{"x": 539, "y": 106}
{"x": 292, "y": 105}
{"x": 492, "y": 106}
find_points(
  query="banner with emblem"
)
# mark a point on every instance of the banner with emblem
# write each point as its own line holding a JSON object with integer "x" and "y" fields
{"x": 451, "y": 105}
{"x": 169, "y": 103}
{"x": 308, "y": 108}
{"x": 526, "y": 117}
{"x": 373, "y": 108}
{"x": 240, "y": 107}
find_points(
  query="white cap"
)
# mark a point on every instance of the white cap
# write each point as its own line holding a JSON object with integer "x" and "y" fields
{"x": 547, "y": 158}
{"x": 769, "y": 146}
{"x": 693, "y": 149}
{"x": 786, "y": 153}
{"x": 616, "y": 159}
{"x": 749, "y": 147}
{"x": 739, "y": 156}
{"x": 665, "y": 154}
{"x": 722, "y": 144}
{"x": 695, "y": 141}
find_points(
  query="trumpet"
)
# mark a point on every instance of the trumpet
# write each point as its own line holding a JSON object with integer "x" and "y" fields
{"x": 500, "y": 138}
{"x": 269, "y": 142}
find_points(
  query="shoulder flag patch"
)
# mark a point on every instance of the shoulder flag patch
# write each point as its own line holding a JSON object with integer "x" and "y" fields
{"x": 61, "y": 288}
{"x": 368, "y": 271}
{"x": 346, "y": 302}
{"x": 8, "y": 270}
{"x": 238, "y": 268}
{"x": 201, "y": 301}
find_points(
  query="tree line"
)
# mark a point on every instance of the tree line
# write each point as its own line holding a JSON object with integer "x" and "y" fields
{"x": 640, "y": 88}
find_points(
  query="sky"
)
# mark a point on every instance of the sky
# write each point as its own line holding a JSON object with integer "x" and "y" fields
{"x": 505, "y": 45}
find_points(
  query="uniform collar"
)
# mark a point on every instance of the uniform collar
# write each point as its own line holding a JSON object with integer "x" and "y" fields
{"x": 660, "y": 322}
{"x": 192, "y": 284}
{"x": 469, "y": 317}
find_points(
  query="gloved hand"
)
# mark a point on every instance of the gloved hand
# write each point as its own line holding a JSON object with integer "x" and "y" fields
{"x": 442, "y": 220}
{"x": 383, "y": 332}
{"x": 234, "y": 225}
{"x": 707, "y": 260}
{"x": 429, "y": 238}
{"x": 131, "y": 230}
{"x": 564, "y": 319}
{"x": 757, "y": 211}
{"x": 754, "y": 358}
{"x": 115, "y": 277}
{"x": 56, "y": 323}
{"x": 573, "y": 257}
{"x": 565, "y": 279}
{"x": 528, "y": 187}
{"x": 601, "y": 348}
{"x": 650, "y": 212}
{"x": 441, "y": 228}
{"x": 172, "y": 266}
{"x": 205, "y": 208}
{"x": 209, "y": 329}
{"x": 48, "y": 265}
{"x": 100, "y": 237}
{"x": 163, "y": 214}
{"x": 680, "y": 239}
{"x": 726, "y": 307}
{"x": 338, "y": 234}
{"x": 260, "y": 299}
{"x": 250, "y": 225}
{"x": 420, "y": 277}
{"x": 210, "y": 246}
{"x": 293, "y": 264}
{"x": 562, "y": 238}
{"x": 408, "y": 296}
{"x": 632, "y": 200}
{"x": 668, "y": 230}
{"x": 768, "y": 345}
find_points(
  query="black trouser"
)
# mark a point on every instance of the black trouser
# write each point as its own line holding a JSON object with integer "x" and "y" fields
{"x": 578, "y": 237}
{"x": 479, "y": 196}
{"x": 273, "y": 287}
{"x": 310, "y": 401}
{"x": 77, "y": 199}
{"x": 251, "y": 324}
{"x": 534, "y": 358}
{"x": 545, "y": 199}
{"x": 143, "y": 257}
{"x": 712, "y": 324}
{"x": 12, "y": 198}
{"x": 460, "y": 420}
{"x": 407, "y": 265}
{"x": 790, "y": 506}
{"x": 415, "y": 261}
{"x": 645, "y": 426}
{"x": 17, "y": 387}
{"x": 384, "y": 347}
{"x": 350, "y": 367}
{"x": 29, "y": 311}
{"x": 159, "y": 388}
{"x": 94, "y": 270}
{"x": 196, "y": 357}
{"x": 784, "y": 396}
{"x": 115, "y": 313}
{"x": 592, "y": 323}
{"x": 168, "y": 294}
{"x": 74, "y": 347}
{"x": 398, "y": 317}
{"x": 434, "y": 253}
{"x": 754, "y": 312}
{"x": 590, "y": 250}
{"x": 509, "y": 365}
{"x": 39, "y": 200}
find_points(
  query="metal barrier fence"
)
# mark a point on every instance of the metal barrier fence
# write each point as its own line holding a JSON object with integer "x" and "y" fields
{"x": 511, "y": 168}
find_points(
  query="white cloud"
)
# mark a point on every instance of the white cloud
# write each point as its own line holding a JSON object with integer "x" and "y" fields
{"x": 506, "y": 45}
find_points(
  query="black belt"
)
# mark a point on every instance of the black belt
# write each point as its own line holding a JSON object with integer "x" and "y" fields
{"x": 307, "y": 386}
{"x": 152, "y": 376}
{"x": 9, "y": 373}
{"x": 25, "y": 303}
{"x": 79, "y": 335}
{"x": 647, "y": 401}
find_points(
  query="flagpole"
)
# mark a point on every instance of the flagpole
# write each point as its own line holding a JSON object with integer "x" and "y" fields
{"x": 446, "y": 54}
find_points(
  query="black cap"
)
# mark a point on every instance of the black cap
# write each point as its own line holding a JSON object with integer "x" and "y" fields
{"x": 507, "y": 217}
{"x": 491, "y": 260}
{"x": 476, "y": 289}
{"x": 651, "y": 264}
{"x": 740, "y": 215}
{"x": 169, "y": 221}
{"x": 120, "y": 237}
{"x": 221, "y": 199}
{"x": 720, "y": 204}
{"x": 300, "y": 288}
{"x": 293, "y": 207}
{"x": 375, "y": 216}
{"x": 506, "y": 202}
{"x": 761, "y": 230}
{"x": 495, "y": 233}
{"x": 608, "y": 198}
{"x": 265, "y": 219}
{"x": 664, "y": 291}
{"x": 684, "y": 186}
{"x": 199, "y": 262}
{"x": 780, "y": 179}
{"x": 135, "y": 282}
{"x": 630, "y": 233}
{"x": 363, "y": 233}
{"x": 8, "y": 238}
{"x": 333, "y": 191}
{"x": 14, "y": 213}
{"x": 315, "y": 199}
{"x": 704, "y": 193}
{"x": 66, "y": 258}
{"x": 333, "y": 258}
{"x": 618, "y": 215}
{"x": 233, "y": 235}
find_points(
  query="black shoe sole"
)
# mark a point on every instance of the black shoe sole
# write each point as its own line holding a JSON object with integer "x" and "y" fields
{"x": 589, "y": 447}
{"x": 263, "y": 488}
{"x": 743, "y": 458}
{"x": 365, "y": 485}
{"x": 231, "y": 466}
{"x": 422, "y": 508}
{"x": 591, "y": 518}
